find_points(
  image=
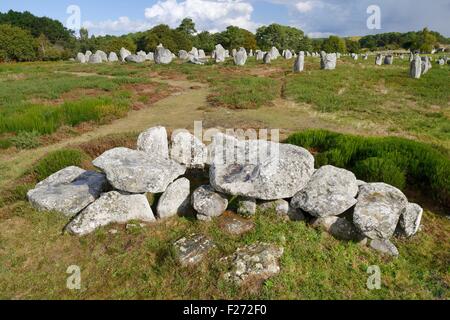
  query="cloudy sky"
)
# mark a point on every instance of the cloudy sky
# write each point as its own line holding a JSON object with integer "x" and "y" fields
{"x": 316, "y": 17}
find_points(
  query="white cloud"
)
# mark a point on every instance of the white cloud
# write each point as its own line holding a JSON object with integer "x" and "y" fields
{"x": 305, "y": 6}
{"x": 120, "y": 26}
{"x": 207, "y": 14}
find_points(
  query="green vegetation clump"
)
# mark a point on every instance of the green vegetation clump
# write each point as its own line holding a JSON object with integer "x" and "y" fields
{"x": 26, "y": 140}
{"x": 401, "y": 162}
{"x": 58, "y": 160}
{"x": 5, "y": 143}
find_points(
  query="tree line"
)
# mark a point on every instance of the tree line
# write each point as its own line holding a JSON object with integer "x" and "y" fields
{"x": 25, "y": 37}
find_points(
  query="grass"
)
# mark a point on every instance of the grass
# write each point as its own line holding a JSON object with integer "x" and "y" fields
{"x": 393, "y": 160}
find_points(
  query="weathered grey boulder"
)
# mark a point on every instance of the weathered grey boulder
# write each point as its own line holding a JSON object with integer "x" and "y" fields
{"x": 378, "y": 210}
{"x": 328, "y": 61}
{"x": 416, "y": 67}
{"x": 240, "y": 58}
{"x": 259, "y": 55}
{"x": 299, "y": 63}
{"x": 281, "y": 207}
{"x": 287, "y": 55}
{"x": 154, "y": 142}
{"x": 163, "y": 56}
{"x": 68, "y": 191}
{"x": 385, "y": 247}
{"x": 389, "y": 59}
{"x": 150, "y": 56}
{"x": 267, "y": 58}
{"x": 124, "y": 53}
{"x": 274, "y": 53}
{"x": 111, "y": 207}
{"x": 88, "y": 54}
{"x": 208, "y": 203}
{"x": 193, "y": 249}
{"x": 95, "y": 59}
{"x": 201, "y": 54}
{"x": 233, "y": 52}
{"x": 175, "y": 200}
{"x": 258, "y": 169}
{"x": 219, "y": 54}
{"x": 194, "y": 52}
{"x": 188, "y": 150}
{"x": 251, "y": 54}
{"x": 256, "y": 262}
{"x": 134, "y": 58}
{"x": 183, "y": 55}
{"x": 339, "y": 228}
{"x": 138, "y": 172}
{"x": 247, "y": 207}
{"x": 426, "y": 65}
{"x": 142, "y": 54}
{"x": 81, "y": 58}
{"x": 103, "y": 55}
{"x": 379, "y": 59}
{"x": 113, "y": 57}
{"x": 330, "y": 192}
{"x": 410, "y": 219}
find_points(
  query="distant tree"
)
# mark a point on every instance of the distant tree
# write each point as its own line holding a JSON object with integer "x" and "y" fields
{"x": 352, "y": 46}
{"x": 84, "y": 34}
{"x": 317, "y": 44}
{"x": 187, "y": 26}
{"x": 205, "y": 40}
{"x": 334, "y": 44}
{"x": 173, "y": 40}
{"x": 235, "y": 37}
{"x": 282, "y": 37}
{"x": 16, "y": 44}
{"x": 113, "y": 44}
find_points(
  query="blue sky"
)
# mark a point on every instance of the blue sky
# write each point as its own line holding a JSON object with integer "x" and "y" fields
{"x": 315, "y": 17}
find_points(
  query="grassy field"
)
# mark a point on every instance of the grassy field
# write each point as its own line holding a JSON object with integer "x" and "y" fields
{"x": 57, "y": 114}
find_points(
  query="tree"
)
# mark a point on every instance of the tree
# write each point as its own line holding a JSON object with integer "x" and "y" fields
{"x": 84, "y": 34}
{"x": 235, "y": 37}
{"x": 281, "y": 37}
{"x": 187, "y": 27}
{"x": 334, "y": 44}
{"x": 352, "y": 46}
{"x": 173, "y": 40}
{"x": 205, "y": 40}
{"x": 16, "y": 44}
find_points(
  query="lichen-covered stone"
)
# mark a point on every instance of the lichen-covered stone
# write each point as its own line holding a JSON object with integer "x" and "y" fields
{"x": 193, "y": 249}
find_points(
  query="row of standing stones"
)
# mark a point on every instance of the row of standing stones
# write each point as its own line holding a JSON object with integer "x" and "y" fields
{"x": 263, "y": 175}
{"x": 418, "y": 65}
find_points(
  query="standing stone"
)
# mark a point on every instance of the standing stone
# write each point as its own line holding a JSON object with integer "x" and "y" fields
{"x": 112, "y": 207}
{"x": 175, "y": 200}
{"x": 201, "y": 54}
{"x": 95, "y": 59}
{"x": 194, "y": 52}
{"x": 188, "y": 150}
{"x": 240, "y": 57}
{"x": 259, "y": 55}
{"x": 389, "y": 60}
{"x": 379, "y": 59}
{"x": 138, "y": 172}
{"x": 441, "y": 62}
{"x": 267, "y": 58}
{"x": 135, "y": 58}
{"x": 288, "y": 55}
{"x": 274, "y": 53}
{"x": 328, "y": 61}
{"x": 208, "y": 203}
{"x": 102, "y": 55}
{"x": 259, "y": 169}
{"x": 183, "y": 55}
{"x": 233, "y": 52}
{"x": 426, "y": 65}
{"x": 193, "y": 249}
{"x": 113, "y": 57}
{"x": 154, "y": 141}
{"x": 410, "y": 219}
{"x": 411, "y": 57}
{"x": 81, "y": 58}
{"x": 378, "y": 210}
{"x": 219, "y": 54}
{"x": 250, "y": 54}
{"x": 330, "y": 192}
{"x": 299, "y": 63}
{"x": 163, "y": 56}
{"x": 150, "y": 56}
{"x": 416, "y": 68}
{"x": 68, "y": 191}
{"x": 124, "y": 53}
{"x": 227, "y": 53}
{"x": 88, "y": 54}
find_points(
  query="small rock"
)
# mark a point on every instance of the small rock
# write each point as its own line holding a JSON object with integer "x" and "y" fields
{"x": 209, "y": 203}
{"x": 385, "y": 247}
{"x": 175, "y": 200}
{"x": 234, "y": 224}
{"x": 410, "y": 219}
{"x": 247, "y": 207}
{"x": 192, "y": 249}
{"x": 339, "y": 228}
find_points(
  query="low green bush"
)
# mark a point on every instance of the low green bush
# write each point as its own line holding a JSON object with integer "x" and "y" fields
{"x": 397, "y": 161}
{"x": 58, "y": 160}
{"x": 26, "y": 140}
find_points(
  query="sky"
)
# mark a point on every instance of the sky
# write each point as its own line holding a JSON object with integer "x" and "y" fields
{"x": 317, "y": 18}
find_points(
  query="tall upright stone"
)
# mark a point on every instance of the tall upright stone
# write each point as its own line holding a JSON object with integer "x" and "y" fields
{"x": 267, "y": 58}
{"x": 328, "y": 61}
{"x": 163, "y": 55}
{"x": 274, "y": 53}
{"x": 219, "y": 54}
{"x": 389, "y": 59}
{"x": 240, "y": 58}
{"x": 379, "y": 60}
{"x": 416, "y": 67}
{"x": 299, "y": 62}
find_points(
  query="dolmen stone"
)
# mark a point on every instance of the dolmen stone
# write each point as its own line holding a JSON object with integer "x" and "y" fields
{"x": 416, "y": 67}
{"x": 81, "y": 58}
{"x": 257, "y": 262}
{"x": 95, "y": 59}
{"x": 193, "y": 249}
{"x": 113, "y": 57}
{"x": 188, "y": 150}
{"x": 138, "y": 172}
{"x": 240, "y": 58}
{"x": 208, "y": 203}
{"x": 339, "y": 228}
{"x": 219, "y": 54}
{"x": 68, "y": 191}
{"x": 154, "y": 141}
{"x": 328, "y": 61}
{"x": 135, "y": 58}
{"x": 299, "y": 63}
{"x": 267, "y": 58}
{"x": 379, "y": 59}
{"x": 378, "y": 210}
{"x": 411, "y": 219}
{"x": 163, "y": 56}
{"x": 389, "y": 59}
{"x": 124, "y": 53}
{"x": 175, "y": 200}
{"x": 330, "y": 192}
{"x": 258, "y": 169}
{"x": 111, "y": 207}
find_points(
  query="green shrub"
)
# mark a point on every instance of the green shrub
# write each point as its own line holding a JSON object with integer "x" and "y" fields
{"x": 58, "y": 160}
{"x": 401, "y": 162}
{"x": 26, "y": 140}
{"x": 5, "y": 143}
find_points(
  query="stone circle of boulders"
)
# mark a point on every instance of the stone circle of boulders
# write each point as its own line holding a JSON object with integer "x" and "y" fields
{"x": 262, "y": 175}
